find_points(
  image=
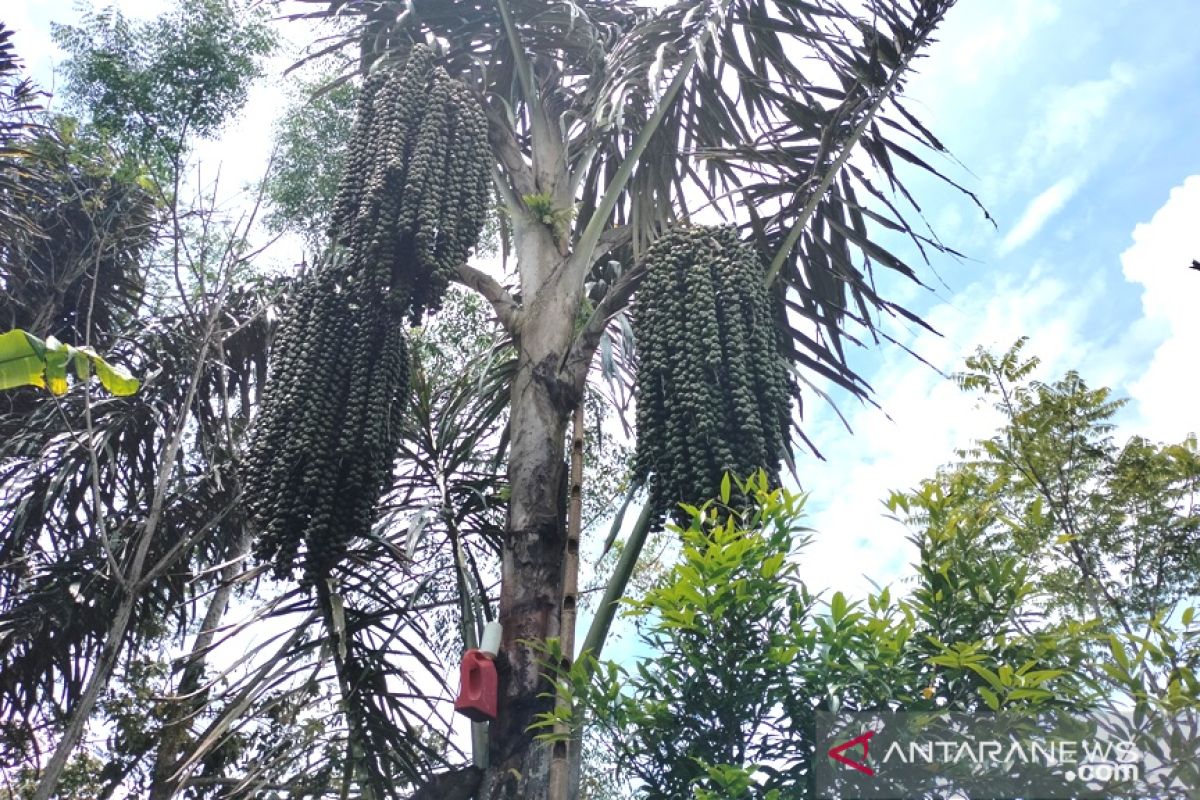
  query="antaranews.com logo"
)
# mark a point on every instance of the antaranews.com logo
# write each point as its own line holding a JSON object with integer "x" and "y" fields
{"x": 1048, "y": 755}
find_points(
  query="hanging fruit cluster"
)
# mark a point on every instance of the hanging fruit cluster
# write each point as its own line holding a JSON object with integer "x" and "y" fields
{"x": 417, "y": 189}
{"x": 714, "y": 393}
{"x": 409, "y": 209}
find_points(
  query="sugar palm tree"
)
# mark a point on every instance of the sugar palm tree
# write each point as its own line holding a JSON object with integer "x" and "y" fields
{"x": 610, "y": 119}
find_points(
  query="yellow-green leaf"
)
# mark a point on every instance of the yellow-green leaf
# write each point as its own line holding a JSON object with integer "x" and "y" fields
{"x": 990, "y": 698}
{"x": 25, "y": 360}
{"x": 985, "y": 673}
{"x": 770, "y": 566}
{"x": 114, "y": 378}
{"x": 57, "y": 356}
{"x": 21, "y": 360}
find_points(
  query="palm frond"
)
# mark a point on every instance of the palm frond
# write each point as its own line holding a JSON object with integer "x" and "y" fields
{"x": 789, "y": 121}
{"x": 70, "y": 524}
{"x": 73, "y": 231}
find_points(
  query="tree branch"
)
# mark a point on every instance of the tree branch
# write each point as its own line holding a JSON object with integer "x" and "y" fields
{"x": 505, "y": 305}
{"x": 579, "y": 357}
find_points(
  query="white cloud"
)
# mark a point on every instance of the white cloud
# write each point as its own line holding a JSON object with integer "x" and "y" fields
{"x": 1071, "y": 114}
{"x": 929, "y": 418}
{"x": 990, "y": 36}
{"x": 1162, "y": 249}
{"x": 1038, "y": 213}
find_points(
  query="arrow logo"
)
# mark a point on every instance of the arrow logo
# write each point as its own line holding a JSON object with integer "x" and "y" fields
{"x": 836, "y": 753}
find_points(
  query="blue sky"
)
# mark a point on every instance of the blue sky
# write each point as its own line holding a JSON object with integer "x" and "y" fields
{"x": 1077, "y": 122}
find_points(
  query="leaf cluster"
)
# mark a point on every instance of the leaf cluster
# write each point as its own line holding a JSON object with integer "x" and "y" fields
{"x": 739, "y": 656}
{"x": 152, "y": 85}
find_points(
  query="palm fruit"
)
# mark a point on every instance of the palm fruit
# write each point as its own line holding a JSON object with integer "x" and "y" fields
{"x": 714, "y": 392}
{"x": 409, "y": 208}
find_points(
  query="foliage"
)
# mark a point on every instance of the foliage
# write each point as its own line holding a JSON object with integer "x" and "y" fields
{"x": 19, "y": 103}
{"x": 26, "y": 360}
{"x": 78, "y": 782}
{"x": 742, "y": 657}
{"x": 81, "y": 219}
{"x": 1104, "y": 539}
{"x": 69, "y": 512}
{"x": 113, "y": 509}
{"x": 714, "y": 394}
{"x": 152, "y": 85}
{"x": 985, "y": 639}
{"x": 1115, "y": 530}
{"x": 424, "y": 571}
{"x": 1051, "y": 574}
{"x": 18, "y": 96}
{"x": 311, "y": 140}
{"x": 1107, "y": 533}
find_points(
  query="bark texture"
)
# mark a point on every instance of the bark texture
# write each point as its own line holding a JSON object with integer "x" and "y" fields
{"x": 532, "y": 569}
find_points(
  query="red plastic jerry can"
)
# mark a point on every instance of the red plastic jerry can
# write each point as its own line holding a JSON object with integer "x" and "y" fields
{"x": 478, "y": 687}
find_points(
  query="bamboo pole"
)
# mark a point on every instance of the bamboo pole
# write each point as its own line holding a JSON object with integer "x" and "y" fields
{"x": 559, "y": 765}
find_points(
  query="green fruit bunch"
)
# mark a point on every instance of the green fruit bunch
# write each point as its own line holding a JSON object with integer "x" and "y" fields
{"x": 410, "y": 207}
{"x": 714, "y": 392}
{"x": 418, "y": 187}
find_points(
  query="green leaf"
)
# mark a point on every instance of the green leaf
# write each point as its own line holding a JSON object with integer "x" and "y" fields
{"x": 838, "y": 606}
{"x": 771, "y": 565}
{"x": 725, "y": 489}
{"x": 22, "y": 360}
{"x": 985, "y": 673}
{"x": 26, "y": 360}
{"x": 114, "y": 378}
{"x": 57, "y": 356}
{"x": 989, "y": 697}
{"x": 1118, "y": 652}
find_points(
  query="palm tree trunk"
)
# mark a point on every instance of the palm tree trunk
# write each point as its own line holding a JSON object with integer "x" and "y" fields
{"x": 535, "y": 541}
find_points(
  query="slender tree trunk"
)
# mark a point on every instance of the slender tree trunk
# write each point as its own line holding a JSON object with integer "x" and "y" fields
{"x": 82, "y": 711}
{"x": 560, "y": 768}
{"x": 187, "y": 696}
{"x": 535, "y": 542}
